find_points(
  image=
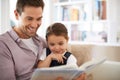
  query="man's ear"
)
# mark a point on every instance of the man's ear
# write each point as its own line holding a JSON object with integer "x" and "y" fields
{"x": 16, "y": 14}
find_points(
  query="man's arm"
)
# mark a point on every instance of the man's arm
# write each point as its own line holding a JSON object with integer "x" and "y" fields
{"x": 7, "y": 71}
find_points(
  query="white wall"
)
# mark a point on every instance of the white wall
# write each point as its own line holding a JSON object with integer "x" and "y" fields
{"x": 5, "y": 18}
{"x": 0, "y": 16}
{"x": 12, "y": 8}
{"x": 46, "y": 19}
{"x": 114, "y": 19}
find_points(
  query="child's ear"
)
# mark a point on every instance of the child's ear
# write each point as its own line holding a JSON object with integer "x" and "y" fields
{"x": 68, "y": 39}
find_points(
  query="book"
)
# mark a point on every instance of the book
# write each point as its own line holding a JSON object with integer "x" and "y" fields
{"x": 65, "y": 14}
{"x": 74, "y": 14}
{"x": 63, "y": 0}
{"x": 67, "y": 72}
{"x": 99, "y": 10}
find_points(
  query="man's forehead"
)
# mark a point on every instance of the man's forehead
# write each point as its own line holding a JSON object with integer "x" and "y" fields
{"x": 32, "y": 12}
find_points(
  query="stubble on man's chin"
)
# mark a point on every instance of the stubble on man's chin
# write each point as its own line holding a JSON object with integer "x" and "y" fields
{"x": 33, "y": 35}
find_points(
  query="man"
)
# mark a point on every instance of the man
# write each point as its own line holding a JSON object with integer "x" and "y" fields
{"x": 21, "y": 47}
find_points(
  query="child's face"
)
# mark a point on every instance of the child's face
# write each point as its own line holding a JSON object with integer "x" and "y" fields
{"x": 57, "y": 44}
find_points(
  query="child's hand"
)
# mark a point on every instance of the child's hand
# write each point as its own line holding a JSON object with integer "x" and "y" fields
{"x": 58, "y": 57}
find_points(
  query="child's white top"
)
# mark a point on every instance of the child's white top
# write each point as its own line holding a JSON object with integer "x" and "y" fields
{"x": 71, "y": 59}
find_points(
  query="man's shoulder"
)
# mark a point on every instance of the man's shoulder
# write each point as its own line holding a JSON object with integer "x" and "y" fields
{"x": 41, "y": 40}
{"x": 4, "y": 36}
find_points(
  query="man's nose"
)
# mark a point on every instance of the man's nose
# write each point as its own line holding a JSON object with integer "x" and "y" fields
{"x": 35, "y": 24}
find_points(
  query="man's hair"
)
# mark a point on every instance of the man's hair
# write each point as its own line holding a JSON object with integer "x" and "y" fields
{"x": 21, "y": 4}
{"x": 57, "y": 29}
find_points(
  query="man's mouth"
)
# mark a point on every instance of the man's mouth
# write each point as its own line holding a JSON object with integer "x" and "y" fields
{"x": 31, "y": 29}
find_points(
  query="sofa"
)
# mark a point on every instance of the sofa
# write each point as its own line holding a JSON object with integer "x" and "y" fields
{"x": 109, "y": 70}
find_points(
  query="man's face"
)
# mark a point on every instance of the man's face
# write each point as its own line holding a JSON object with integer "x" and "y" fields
{"x": 29, "y": 21}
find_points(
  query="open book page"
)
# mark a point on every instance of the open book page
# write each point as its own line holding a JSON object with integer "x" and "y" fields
{"x": 70, "y": 66}
{"x": 51, "y": 73}
{"x": 88, "y": 66}
{"x": 68, "y": 72}
{"x": 91, "y": 64}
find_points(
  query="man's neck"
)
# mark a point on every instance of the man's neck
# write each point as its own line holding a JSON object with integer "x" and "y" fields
{"x": 20, "y": 34}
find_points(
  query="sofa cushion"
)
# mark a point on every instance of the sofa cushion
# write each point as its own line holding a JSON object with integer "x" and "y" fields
{"x": 81, "y": 52}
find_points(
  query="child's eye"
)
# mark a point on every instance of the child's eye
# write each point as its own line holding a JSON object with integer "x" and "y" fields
{"x": 61, "y": 43}
{"x": 52, "y": 44}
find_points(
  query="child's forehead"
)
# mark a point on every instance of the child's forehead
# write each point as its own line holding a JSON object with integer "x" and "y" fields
{"x": 54, "y": 35}
{"x": 57, "y": 37}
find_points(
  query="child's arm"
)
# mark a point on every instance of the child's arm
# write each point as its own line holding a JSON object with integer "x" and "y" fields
{"x": 44, "y": 63}
{"x": 49, "y": 58}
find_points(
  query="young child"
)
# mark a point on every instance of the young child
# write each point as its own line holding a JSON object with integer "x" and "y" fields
{"x": 56, "y": 54}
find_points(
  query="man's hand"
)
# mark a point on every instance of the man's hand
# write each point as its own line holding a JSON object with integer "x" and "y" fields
{"x": 81, "y": 77}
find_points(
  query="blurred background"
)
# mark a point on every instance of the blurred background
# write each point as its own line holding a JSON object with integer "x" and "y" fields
{"x": 88, "y": 21}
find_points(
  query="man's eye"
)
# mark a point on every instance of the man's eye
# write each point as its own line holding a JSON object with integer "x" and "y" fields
{"x": 39, "y": 19}
{"x": 30, "y": 19}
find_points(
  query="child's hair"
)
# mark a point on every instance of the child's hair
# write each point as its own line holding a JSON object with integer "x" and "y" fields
{"x": 57, "y": 29}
